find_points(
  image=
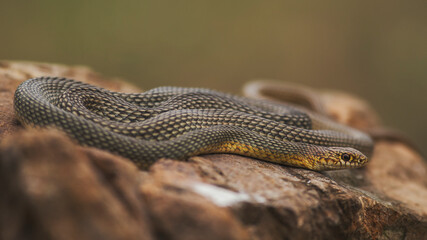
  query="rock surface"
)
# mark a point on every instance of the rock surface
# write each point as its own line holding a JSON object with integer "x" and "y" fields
{"x": 54, "y": 189}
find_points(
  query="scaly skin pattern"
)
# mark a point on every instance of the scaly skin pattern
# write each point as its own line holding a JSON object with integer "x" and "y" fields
{"x": 177, "y": 123}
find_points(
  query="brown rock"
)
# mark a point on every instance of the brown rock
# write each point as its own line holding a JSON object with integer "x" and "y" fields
{"x": 55, "y": 189}
{"x": 349, "y": 110}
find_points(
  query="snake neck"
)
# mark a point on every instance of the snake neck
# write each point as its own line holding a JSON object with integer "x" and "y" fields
{"x": 292, "y": 159}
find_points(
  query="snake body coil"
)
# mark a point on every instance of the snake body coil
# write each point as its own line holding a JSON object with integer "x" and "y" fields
{"x": 172, "y": 122}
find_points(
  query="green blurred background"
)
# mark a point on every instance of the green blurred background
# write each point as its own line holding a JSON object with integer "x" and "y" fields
{"x": 374, "y": 49}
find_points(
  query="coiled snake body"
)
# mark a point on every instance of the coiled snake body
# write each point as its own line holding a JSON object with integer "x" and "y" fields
{"x": 172, "y": 122}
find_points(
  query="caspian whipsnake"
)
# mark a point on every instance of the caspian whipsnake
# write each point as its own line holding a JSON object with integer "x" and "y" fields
{"x": 173, "y": 122}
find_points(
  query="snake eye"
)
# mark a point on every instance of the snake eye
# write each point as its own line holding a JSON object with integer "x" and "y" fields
{"x": 346, "y": 157}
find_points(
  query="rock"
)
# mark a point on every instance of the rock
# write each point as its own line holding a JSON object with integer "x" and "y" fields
{"x": 54, "y": 189}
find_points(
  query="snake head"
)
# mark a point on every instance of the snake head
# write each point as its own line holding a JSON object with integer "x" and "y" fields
{"x": 340, "y": 158}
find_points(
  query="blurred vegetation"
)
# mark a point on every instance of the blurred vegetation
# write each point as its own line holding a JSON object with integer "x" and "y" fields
{"x": 374, "y": 49}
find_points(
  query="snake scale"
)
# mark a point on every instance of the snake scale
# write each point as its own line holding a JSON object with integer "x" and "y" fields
{"x": 174, "y": 122}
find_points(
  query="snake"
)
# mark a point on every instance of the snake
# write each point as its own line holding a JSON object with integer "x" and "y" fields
{"x": 178, "y": 123}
